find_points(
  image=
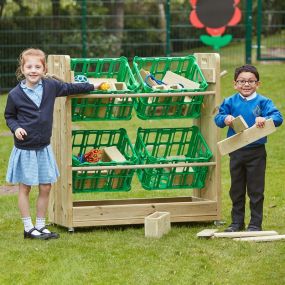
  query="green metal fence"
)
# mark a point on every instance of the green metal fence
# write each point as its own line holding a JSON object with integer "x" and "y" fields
{"x": 270, "y": 32}
{"x": 111, "y": 28}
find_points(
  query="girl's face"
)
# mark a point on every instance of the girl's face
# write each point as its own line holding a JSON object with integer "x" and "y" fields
{"x": 246, "y": 83}
{"x": 33, "y": 70}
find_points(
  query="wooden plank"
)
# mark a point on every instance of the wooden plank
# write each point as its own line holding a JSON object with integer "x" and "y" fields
{"x": 239, "y": 124}
{"x": 171, "y": 78}
{"x": 127, "y": 213}
{"x": 262, "y": 238}
{"x": 207, "y": 233}
{"x": 244, "y": 234}
{"x": 246, "y": 137}
{"x": 210, "y": 132}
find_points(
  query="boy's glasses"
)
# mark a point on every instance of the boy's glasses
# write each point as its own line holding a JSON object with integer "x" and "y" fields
{"x": 243, "y": 82}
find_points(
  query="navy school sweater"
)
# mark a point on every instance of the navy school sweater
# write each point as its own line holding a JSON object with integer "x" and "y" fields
{"x": 22, "y": 112}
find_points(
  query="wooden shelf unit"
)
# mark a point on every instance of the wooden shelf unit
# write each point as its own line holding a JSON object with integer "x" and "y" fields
{"x": 203, "y": 205}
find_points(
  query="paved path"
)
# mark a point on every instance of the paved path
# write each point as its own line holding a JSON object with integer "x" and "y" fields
{"x": 9, "y": 189}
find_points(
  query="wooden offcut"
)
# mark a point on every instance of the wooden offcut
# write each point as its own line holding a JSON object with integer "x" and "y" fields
{"x": 207, "y": 233}
{"x": 239, "y": 124}
{"x": 262, "y": 238}
{"x": 111, "y": 153}
{"x": 171, "y": 78}
{"x": 244, "y": 234}
{"x": 157, "y": 224}
{"x": 246, "y": 137}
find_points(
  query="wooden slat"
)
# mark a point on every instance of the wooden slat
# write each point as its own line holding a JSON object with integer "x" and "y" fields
{"x": 246, "y": 137}
{"x": 244, "y": 234}
{"x": 262, "y": 238}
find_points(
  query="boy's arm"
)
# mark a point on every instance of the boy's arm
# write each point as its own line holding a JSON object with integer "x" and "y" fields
{"x": 224, "y": 117}
{"x": 271, "y": 112}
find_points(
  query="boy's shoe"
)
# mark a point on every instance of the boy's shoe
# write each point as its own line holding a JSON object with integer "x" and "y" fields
{"x": 234, "y": 228}
{"x": 253, "y": 228}
{"x": 50, "y": 235}
{"x": 30, "y": 234}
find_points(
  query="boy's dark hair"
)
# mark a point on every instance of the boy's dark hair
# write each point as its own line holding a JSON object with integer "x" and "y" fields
{"x": 246, "y": 68}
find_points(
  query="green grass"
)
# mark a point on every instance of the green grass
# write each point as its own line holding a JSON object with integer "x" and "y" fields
{"x": 122, "y": 255}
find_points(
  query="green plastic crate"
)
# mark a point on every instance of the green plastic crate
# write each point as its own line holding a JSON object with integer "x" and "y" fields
{"x": 172, "y": 145}
{"x": 169, "y": 107}
{"x": 102, "y": 180}
{"x": 92, "y": 109}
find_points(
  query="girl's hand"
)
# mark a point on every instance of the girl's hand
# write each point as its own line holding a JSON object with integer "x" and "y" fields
{"x": 260, "y": 122}
{"x": 20, "y": 134}
{"x": 104, "y": 86}
{"x": 229, "y": 119}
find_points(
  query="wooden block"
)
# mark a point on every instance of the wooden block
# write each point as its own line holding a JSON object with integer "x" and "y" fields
{"x": 120, "y": 86}
{"x": 112, "y": 153}
{"x": 171, "y": 78}
{"x": 246, "y": 137}
{"x": 157, "y": 224}
{"x": 160, "y": 87}
{"x": 262, "y": 238}
{"x": 239, "y": 124}
{"x": 207, "y": 233}
{"x": 144, "y": 74}
{"x": 244, "y": 234}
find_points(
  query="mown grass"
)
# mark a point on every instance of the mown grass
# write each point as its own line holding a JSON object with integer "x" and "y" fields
{"x": 122, "y": 255}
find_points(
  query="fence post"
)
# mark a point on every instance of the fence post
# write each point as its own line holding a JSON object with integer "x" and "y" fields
{"x": 168, "y": 47}
{"x": 84, "y": 28}
{"x": 248, "y": 35}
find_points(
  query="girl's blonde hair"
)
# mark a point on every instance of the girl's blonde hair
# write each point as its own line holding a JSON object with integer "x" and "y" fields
{"x": 29, "y": 52}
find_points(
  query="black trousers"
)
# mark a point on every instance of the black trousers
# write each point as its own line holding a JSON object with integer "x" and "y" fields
{"x": 247, "y": 169}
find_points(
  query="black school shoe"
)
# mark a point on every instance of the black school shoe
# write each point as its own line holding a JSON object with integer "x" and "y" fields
{"x": 234, "y": 228}
{"x": 30, "y": 235}
{"x": 50, "y": 235}
{"x": 253, "y": 228}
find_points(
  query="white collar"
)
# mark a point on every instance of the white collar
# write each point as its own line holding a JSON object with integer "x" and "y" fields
{"x": 252, "y": 96}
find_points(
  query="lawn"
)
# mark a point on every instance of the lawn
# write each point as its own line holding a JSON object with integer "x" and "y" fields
{"x": 122, "y": 255}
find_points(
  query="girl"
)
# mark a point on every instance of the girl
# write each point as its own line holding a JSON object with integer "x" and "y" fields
{"x": 28, "y": 114}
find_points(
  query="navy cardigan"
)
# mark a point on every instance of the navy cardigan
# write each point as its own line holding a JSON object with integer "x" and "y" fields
{"x": 22, "y": 112}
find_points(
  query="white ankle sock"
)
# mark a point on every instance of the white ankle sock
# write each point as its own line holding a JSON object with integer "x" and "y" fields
{"x": 28, "y": 225}
{"x": 41, "y": 223}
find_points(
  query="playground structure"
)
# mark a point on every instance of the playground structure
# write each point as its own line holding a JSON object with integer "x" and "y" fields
{"x": 203, "y": 205}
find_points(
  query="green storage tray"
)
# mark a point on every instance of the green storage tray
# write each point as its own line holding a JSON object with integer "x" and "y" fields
{"x": 169, "y": 107}
{"x": 92, "y": 109}
{"x": 172, "y": 145}
{"x": 102, "y": 180}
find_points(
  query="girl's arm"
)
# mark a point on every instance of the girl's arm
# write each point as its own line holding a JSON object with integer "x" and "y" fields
{"x": 10, "y": 115}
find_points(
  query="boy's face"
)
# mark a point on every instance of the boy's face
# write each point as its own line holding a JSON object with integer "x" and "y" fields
{"x": 246, "y": 83}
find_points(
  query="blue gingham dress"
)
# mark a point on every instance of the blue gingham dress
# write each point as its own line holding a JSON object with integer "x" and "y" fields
{"x": 32, "y": 167}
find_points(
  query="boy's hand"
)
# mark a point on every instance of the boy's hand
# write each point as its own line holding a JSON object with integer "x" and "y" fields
{"x": 229, "y": 119}
{"x": 260, "y": 122}
{"x": 20, "y": 134}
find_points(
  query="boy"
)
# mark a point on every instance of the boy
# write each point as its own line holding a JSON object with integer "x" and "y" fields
{"x": 247, "y": 165}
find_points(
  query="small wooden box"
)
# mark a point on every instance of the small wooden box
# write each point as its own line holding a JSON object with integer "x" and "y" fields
{"x": 157, "y": 224}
